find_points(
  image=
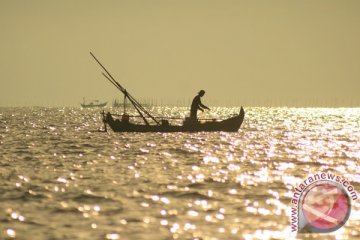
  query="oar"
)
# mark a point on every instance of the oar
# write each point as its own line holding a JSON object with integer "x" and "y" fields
{"x": 104, "y": 121}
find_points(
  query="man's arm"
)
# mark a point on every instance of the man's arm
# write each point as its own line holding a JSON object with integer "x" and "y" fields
{"x": 203, "y": 106}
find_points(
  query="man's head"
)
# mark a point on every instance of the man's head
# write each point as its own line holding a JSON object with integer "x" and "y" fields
{"x": 201, "y": 93}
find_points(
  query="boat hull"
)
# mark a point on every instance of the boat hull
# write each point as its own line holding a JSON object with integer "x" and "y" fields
{"x": 231, "y": 124}
{"x": 93, "y": 105}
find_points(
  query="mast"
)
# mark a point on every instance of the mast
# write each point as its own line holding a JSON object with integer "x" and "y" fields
{"x": 126, "y": 95}
{"x": 139, "y": 108}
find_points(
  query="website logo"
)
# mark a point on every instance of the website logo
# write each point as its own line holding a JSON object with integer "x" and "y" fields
{"x": 321, "y": 203}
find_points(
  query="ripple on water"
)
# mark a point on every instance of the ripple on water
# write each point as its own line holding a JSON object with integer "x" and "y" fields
{"x": 63, "y": 180}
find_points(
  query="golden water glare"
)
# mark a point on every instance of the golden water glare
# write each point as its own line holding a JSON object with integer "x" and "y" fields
{"x": 208, "y": 186}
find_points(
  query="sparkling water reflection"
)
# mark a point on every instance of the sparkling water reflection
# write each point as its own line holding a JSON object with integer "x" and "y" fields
{"x": 61, "y": 179}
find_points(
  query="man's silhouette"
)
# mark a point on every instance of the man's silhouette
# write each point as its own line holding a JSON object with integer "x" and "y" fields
{"x": 197, "y": 105}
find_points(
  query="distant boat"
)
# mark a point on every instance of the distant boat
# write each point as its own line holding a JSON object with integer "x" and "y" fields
{"x": 117, "y": 104}
{"x": 93, "y": 104}
{"x": 161, "y": 124}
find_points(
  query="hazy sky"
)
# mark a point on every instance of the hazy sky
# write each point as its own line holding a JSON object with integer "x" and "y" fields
{"x": 241, "y": 52}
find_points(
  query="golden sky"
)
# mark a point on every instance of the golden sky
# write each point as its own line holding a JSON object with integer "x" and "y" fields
{"x": 264, "y": 53}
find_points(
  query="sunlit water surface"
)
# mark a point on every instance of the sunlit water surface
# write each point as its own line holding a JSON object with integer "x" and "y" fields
{"x": 61, "y": 179}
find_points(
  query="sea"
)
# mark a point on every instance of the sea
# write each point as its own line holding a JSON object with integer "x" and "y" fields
{"x": 62, "y": 178}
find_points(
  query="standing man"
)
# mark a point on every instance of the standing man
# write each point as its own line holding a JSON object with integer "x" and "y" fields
{"x": 197, "y": 105}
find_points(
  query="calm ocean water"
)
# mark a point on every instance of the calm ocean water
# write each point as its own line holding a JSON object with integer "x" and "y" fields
{"x": 61, "y": 179}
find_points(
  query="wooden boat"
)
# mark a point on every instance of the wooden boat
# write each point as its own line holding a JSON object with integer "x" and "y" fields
{"x": 94, "y": 104}
{"x": 231, "y": 124}
{"x": 153, "y": 124}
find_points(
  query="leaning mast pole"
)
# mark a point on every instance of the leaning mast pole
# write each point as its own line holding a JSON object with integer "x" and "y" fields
{"x": 136, "y": 104}
{"x": 126, "y": 95}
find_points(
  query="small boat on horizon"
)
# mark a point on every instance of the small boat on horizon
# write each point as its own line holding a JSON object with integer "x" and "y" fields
{"x": 92, "y": 104}
{"x": 117, "y": 104}
{"x": 161, "y": 124}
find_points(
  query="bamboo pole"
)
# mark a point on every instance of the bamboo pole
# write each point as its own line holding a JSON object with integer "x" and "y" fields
{"x": 136, "y": 104}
